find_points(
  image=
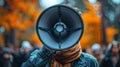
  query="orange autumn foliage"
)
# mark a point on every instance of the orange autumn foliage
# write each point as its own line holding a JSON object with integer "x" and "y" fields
{"x": 20, "y": 11}
{"x": 92, "y": 27}
{"x": 34, "y": 39}
{"x": 20, "y": 15}
{"x": 110, "y": 32}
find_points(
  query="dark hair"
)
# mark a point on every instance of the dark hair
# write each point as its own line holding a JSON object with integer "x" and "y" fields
{"x": 112, "y": 47}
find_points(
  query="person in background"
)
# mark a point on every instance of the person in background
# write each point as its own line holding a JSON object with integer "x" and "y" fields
{"x": 7, "y": 57}
{"x": 112, "y": 58}
{"x": 96, "y": 52}
{"x": 25, "y": 50}
{"x": 15, "y": 55}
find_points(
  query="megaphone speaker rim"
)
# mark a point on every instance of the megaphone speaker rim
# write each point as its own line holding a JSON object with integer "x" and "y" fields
{"x": 82, "y": 26}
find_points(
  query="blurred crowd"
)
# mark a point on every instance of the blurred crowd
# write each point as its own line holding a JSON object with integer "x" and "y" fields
{"x": 12, "y": 57}
{"x": 107, "y": 56}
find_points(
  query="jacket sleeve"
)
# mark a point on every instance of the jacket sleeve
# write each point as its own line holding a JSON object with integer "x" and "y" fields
{"x": 90, "y": 60}
{"x": 94, "y": 63}
{"x": 39, "y": 58}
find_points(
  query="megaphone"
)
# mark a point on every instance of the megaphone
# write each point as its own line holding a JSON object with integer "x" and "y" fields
{"x": 59, "y": 27}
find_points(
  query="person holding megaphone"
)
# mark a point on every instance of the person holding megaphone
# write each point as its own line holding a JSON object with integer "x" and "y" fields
{"x": 60, "y": 29}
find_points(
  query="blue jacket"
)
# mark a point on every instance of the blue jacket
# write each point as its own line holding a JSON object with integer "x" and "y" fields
{"x": 42, "y": 58}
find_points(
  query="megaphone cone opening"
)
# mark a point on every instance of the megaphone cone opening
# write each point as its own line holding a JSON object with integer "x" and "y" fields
{"x": 53, "y": 34}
